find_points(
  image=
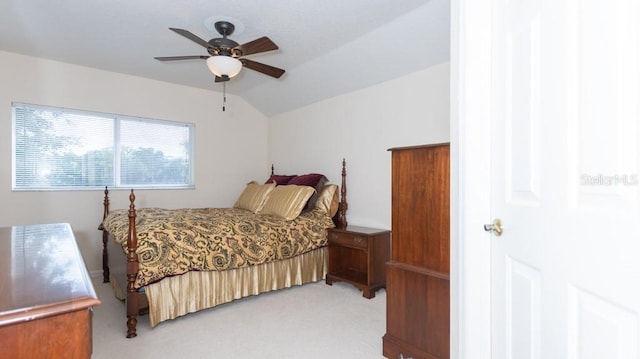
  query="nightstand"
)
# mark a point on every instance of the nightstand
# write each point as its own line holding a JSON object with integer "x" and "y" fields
{"x": 357, "y": 255}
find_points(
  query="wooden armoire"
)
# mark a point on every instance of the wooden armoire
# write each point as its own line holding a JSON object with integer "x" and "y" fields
{"x": 418, "y": 273}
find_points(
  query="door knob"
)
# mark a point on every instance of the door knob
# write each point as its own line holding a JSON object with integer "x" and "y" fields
{"x": 495, "y": 227}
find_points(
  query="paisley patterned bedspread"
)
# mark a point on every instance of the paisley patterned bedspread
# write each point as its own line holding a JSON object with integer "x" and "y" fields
{"x": 175, "y": 241}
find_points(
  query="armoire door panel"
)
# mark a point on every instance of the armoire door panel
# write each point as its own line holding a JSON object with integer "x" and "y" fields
{"x": 418, "y": 310}
{"x": 420, "y": 207}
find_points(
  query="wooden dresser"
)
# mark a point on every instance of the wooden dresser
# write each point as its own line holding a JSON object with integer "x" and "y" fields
{"x": 418, "y": 273}
{"x": 46, "y": 295}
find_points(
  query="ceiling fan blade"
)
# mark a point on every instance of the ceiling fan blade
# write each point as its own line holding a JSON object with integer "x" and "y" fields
{"x": 260, "y": 67}
{"x": 258, "y": 45}
{"x": 191, "y": 37}
{"x": 173, "y": 58}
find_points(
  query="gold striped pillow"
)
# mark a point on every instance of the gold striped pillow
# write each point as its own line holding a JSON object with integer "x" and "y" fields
{"x": 328, "y": 199}
{"x": 254, "y": 195}
{"x": 287, "y": 201}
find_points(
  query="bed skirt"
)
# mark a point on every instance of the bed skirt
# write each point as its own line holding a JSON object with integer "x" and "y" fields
{"x": 194, "y": 291}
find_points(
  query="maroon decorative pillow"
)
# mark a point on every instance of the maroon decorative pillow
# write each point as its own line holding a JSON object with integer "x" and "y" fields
{"x": 315, "y": 180}
{"x": 280, "y": 179}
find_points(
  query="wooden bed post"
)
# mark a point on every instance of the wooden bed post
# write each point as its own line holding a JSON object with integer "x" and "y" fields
{"x": 105, "y": 239}
{"x": 342, "y": 206}
{"x": 132, "y": 270}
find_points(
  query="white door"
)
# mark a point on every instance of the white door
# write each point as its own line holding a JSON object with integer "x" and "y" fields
{"x": 565, "y": 167}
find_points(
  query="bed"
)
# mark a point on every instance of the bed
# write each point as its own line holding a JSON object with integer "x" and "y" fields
{"x": 170, "y": 262}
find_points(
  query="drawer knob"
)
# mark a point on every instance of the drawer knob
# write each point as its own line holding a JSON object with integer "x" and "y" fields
{"x": 358, "y": 239}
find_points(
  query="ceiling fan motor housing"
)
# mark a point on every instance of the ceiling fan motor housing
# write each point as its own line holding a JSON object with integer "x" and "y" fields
{"x": 223, "y": 46}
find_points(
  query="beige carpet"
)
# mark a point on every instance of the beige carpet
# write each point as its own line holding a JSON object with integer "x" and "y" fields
{"x": 310, "y": 321}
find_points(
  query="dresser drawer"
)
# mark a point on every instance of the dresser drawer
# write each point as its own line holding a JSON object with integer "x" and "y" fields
{"x": 347, "y": 239}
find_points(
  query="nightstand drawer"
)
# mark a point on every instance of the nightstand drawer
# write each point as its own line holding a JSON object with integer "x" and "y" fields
{"x": 351, "y": 240}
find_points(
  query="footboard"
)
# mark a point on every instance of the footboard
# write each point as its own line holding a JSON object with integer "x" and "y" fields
{"x": 133, "y": 301}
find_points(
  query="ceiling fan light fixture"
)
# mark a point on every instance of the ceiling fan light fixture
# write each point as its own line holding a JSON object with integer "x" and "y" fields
{"x": 222, "y": 65}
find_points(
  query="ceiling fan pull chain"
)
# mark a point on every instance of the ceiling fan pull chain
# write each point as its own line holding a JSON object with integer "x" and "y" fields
{"x": 224, "y": 95}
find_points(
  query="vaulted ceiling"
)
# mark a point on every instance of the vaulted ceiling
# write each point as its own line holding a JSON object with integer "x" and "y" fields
{"x": 326, "y": 47}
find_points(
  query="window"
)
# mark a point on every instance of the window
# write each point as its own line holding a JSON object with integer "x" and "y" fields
{"x": 56, "y": 148}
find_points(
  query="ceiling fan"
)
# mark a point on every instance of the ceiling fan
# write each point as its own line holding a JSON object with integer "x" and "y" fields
{"x": 226, "y": 57}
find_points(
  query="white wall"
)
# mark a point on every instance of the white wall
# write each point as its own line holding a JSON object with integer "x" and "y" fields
{"x": 231, "y": 146}
{"x": 360, "y": 127}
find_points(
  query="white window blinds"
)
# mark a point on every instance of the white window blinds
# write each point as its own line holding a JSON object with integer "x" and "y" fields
{"x": 57, "y": 148}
